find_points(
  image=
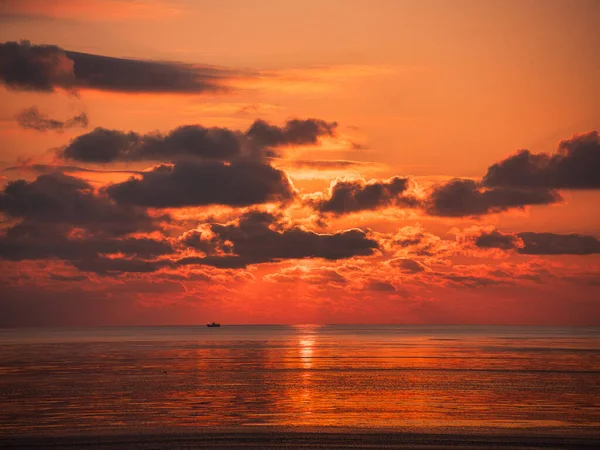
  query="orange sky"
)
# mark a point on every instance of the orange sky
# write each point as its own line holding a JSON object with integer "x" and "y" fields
{"x": 430, "y": 90}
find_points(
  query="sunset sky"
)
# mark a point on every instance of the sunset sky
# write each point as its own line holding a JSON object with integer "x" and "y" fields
{"x": 175, "y": 162}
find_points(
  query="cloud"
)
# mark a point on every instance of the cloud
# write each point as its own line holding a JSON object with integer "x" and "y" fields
{"x": 530, "y": 243}
{"x": 255, "y": 238}
{"x": 347, "y": 196}
{"x": 191, "y": 141}
{"x": 294, "y": 132}
{"x": 111, "y": 266}
{"x": 415, "y": 241}
{"x": 35, "y": 67}
{"x": 463, "y": 197}
{"x": 240, "y": 183}
{"x": 497, "y": 239}
{"x": 320, "y": 276}
{"x": 61, "y": 199}
{"x": 576, "y": 165}
{"x": 380, "y": 286}
{"x": 32, "y": 118}
{"x": 456, "y": 198}
{"x": 98, "y": 253}
{"x": 558, "y": 244}
{"x": 63, "y": 217}
{"x": 194, "y": 142}
{"x": 407, "y": 265}
{"x": 51, "y": 168}
{"x": 24, "y": 66}
{"x": 42, "y": 242}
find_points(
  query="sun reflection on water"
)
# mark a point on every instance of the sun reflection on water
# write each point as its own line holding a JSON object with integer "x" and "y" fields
{"x": 306, "y": 349}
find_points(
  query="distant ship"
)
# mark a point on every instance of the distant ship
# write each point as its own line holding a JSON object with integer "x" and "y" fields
{"x": 213, "y": 324}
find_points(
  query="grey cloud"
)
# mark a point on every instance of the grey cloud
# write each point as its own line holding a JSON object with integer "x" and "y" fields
{"x": 192, "y": 142}
{"x": 294, "y": 132}
{"x": 24, "y": 66}
{"x": 101, "y": 146}
{"x": 32, "y": 118}
{"x": 35, "y": 67}
{"x": 497, "y": 239}
{"x": 240, "y": 183}
{"x": 558, "y": 244}
{"x": 31, "y": 241}
{"x": 257, "y": 239}
{"x": 576, "y": 165}
{"x": 351, "y": 196}
{"x": 38, "y": 242}
{"x": 463, "y": 197}
{"x": 48, "y": 168}
{"x": 112, "y": 266}
{"x": 57, "y": 198}
{"x": 531, "y": 243}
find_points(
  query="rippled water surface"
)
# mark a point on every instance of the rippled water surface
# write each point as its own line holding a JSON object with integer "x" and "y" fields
{"x": 124, "y": 379}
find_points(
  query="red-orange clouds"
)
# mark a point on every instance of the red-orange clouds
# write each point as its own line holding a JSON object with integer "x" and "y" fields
{"x": 155, "y": 215}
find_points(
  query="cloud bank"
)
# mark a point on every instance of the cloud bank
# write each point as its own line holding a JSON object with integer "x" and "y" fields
{"x": 45, "y": 68}
{"x": 574, "y": 166}
{"x": 530, "y": 243}
{"x": 190, "y": 142}
{"x": 347, "y": 196}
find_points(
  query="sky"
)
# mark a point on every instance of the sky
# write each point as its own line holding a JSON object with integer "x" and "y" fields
{"x": 412, "y": 162}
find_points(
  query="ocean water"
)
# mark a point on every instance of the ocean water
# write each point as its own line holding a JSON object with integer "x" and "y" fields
{"x": 64, "y": 381}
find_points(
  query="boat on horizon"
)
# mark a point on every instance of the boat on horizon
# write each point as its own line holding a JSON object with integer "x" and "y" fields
{"x": 213, "y": 324}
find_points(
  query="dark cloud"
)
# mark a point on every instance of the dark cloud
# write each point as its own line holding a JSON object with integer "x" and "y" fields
{"x": 60, "y": 277}
{"x": 113, "y": 266}
{"x": 35, "y": 67}
{"x": 259, "y": 238}
{"x": 62, "y": 217}
{"x": 381, "y": 286}
{"x": 240, "y": 183}
{"x": 139, "y": 247}
{"x": 463, "y": 197}
{"x": 191, "y": 142}
{"x": 321, "y": 276}
{"x": 294, "y": 132}
{"x": 24, "y": 66}
{"x": 130, "y": 75}
{"x": 33, "y": 241}
{"x": 101, "y": 146}
{"x": 530, "y": 243}
{"x": 33, "y": 119}
{"x": 470, "y": 281}
{"x": 41, "y": 242}
{"x": 558, "y": 244}
{"x": 57, "y": 198}
{"x": 351, "y": 196}
{"x": 497, "y": 239}
{"x": 220, "y": 262}
{"x": 50, "y": 168}
{"x": 411, "y": 241}
{"x": 576, "y": 165}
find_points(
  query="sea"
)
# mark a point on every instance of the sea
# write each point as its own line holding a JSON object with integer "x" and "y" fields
{"x": 433, "y": 378}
